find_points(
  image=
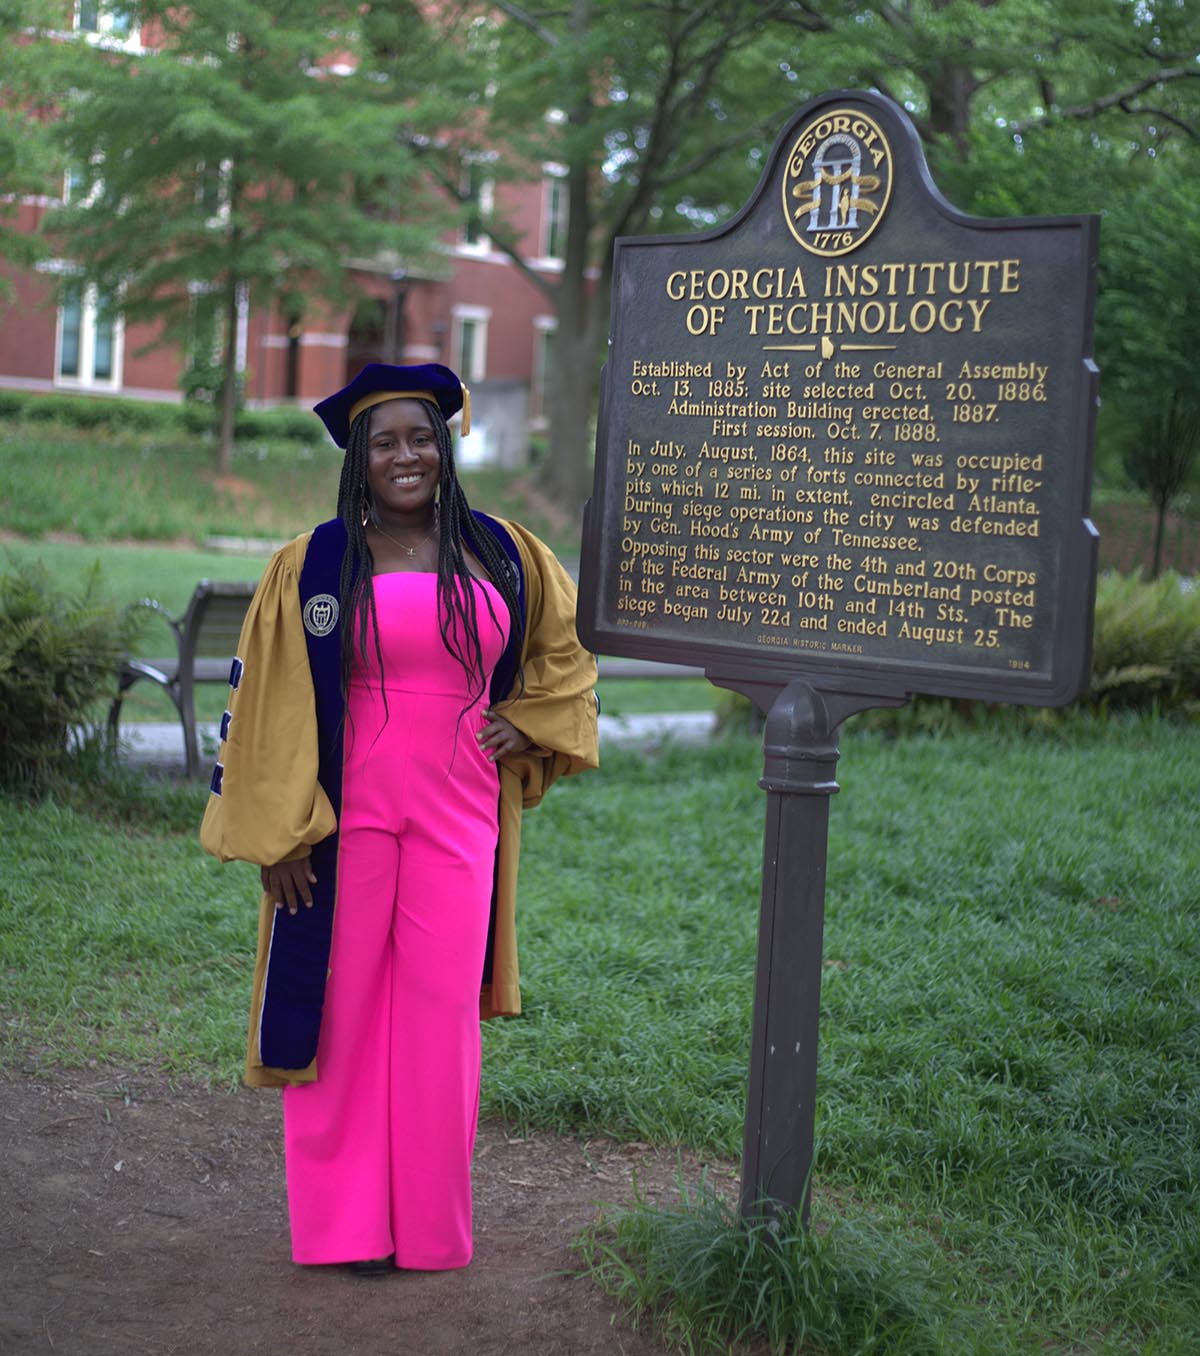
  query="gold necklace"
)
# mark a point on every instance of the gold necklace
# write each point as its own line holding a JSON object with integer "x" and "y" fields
{"x": 411, "y": 551}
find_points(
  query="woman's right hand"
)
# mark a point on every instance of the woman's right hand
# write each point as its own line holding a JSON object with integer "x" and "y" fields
{"x": 288, "y": 883}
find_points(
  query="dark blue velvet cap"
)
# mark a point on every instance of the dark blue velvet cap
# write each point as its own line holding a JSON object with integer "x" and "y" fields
{"x": 378, "y": 382}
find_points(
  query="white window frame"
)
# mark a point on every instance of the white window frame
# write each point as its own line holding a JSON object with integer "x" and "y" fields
{"x": 553, "y": 183}
{"x": 105, "y": 33}
{"x": 92, "y": 183}
{"x": 544, "y": 328}
{"x": 220, "y": 217}
{"x": 486, "y": 205}
{"x": 85, "y": 378}
{"x": 477, "y": 316}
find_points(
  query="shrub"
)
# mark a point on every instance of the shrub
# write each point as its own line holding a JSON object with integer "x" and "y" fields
{"x": 281, "y": 421}
{"x": 89, "y": 412}
{"x": 1147, "y": 643}
{"x": 119, "y": 414}
{"x": 1145, "y": 653}
{"x": 59, "y": 655}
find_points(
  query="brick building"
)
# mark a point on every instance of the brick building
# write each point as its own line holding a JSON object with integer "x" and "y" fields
{"x": 476, "y": 312}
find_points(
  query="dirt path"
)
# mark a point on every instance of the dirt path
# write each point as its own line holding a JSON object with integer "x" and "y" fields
{"x": 139, "y": 1219}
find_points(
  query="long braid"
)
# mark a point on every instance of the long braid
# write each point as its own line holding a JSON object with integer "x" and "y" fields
{"x": 356, "y": 585}
{"x": 456, "y": 602}
{"x": 457, "y": 613}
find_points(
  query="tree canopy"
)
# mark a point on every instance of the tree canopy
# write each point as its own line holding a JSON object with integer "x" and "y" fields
{"x": 253, "y": 152}
{"x": 269, "y": 143}
{"x": 659, "y": 114}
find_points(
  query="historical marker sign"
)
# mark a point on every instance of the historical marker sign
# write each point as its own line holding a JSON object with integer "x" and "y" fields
{"x": 844, "y": 455}
{"x": 849, "y": 434}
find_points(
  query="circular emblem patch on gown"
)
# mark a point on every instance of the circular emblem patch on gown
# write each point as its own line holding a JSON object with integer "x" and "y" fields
{"x": 320, "y": 614}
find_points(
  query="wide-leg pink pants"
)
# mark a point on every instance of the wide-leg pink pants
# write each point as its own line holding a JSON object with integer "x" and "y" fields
{"x": 379, "y": 1148}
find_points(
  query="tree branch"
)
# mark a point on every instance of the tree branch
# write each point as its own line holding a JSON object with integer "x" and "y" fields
{"x": 1161, "y": 113}
{"x": 522, "y": 16}
{"x": 497, "y": 230}
{"x": 1118, "y": 100}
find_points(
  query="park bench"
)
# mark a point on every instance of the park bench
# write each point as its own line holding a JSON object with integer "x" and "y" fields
{"x": 206, "y": 639}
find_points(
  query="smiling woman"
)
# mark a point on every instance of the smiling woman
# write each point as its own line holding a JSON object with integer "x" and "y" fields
{"x": 403, "y": 468}
{"x": 408, "y": 679}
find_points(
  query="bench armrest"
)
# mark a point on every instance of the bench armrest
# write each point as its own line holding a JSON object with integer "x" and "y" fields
{"x": 155, "y": 606}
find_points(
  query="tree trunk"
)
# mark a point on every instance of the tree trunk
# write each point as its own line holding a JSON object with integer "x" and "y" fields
{"x": 950, "y": 92}
{"x": 569, "y": 404}
{"x": 570, "y": 399}
{"x": 582, "y": 313}
{"x": 1159, "y": 533}
{"x": 228, "y": 383}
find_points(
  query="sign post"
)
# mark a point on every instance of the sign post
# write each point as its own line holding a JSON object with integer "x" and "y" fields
{"x": 843, "y": 456}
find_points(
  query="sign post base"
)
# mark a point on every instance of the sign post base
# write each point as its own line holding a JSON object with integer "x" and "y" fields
{"x": 800, "y": 754}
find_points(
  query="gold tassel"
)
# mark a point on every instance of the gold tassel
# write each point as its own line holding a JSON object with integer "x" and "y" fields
{"x": 465, "y": 426}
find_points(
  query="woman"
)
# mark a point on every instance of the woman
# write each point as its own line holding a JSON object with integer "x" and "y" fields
{"x": 408, "y": 679}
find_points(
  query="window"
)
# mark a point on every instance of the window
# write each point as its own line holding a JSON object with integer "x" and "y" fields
{"x": 90, "y": 339}
{"x": 543, "y": 366}
{"x": 554, "y": 215}
{"x": 212, "y": 190}
{"x": 478, "y": 198}
{"x": 84, "y": 184}
{"x": 103, "y": 21}
{"x": 77, "y": 185}
{"x": 469, "y": 342}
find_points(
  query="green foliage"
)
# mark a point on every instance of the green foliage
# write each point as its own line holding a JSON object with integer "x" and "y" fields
{"x": 709, "y": 1282}
{"x": 1148, "y": 310}
{"x": 27, "y": 158}
{"x": 663, "y": 113}
{"x": 111, "y": 793}
{"x": 1145, "y": 654}
{"x": 1147, "y": 644}
{"x": 1165, "y": 456}
{"x": 1128, "y": 525}
{"x": 1007, "y": 1089}
{"x": 280, "y": 422}
{"x": 118, "y": 414}
{"x": 265, "y": 173}
{"x": 88, "y": 412}
{"x": 59, "y": 653}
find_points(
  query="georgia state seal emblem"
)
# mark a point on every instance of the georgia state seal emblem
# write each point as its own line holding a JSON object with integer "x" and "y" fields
{"x": 320, "y": 614}
{"x": 837, "y": 181}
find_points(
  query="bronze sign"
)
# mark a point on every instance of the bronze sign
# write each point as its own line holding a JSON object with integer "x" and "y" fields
{"x": 848, "y": 435}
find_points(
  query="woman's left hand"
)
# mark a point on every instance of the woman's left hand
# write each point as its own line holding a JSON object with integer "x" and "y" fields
{"x": 499, "y": 737}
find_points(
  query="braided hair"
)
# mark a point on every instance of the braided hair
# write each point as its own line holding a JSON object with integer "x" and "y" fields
{"x": 457, "y": 614}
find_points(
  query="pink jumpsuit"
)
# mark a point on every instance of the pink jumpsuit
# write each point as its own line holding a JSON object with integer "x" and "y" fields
{"x": 379, "y": 1148}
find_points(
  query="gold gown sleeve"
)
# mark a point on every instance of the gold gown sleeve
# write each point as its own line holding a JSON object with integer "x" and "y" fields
{"x": 270, "y": 807}
{"x": 556, "y": 708}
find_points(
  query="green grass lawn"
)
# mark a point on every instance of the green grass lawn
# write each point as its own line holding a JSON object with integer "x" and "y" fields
{"x": 148, "y": 487}
{"x": 1010, "y": 1017}
{"x": 1009, "y": 1095}
{"x": 132, "y": 571}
